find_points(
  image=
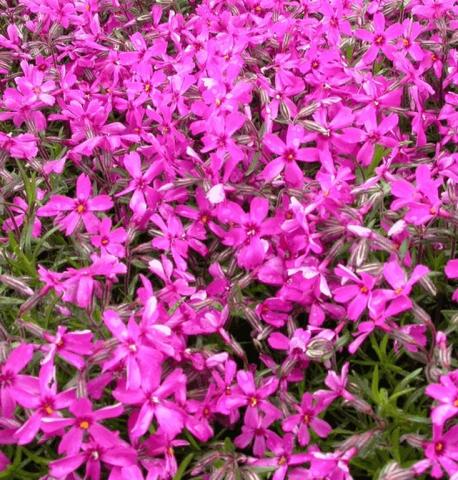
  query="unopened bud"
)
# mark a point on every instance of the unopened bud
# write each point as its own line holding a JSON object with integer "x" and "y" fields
{"x": 413, "y": 440}
{"x": 81, "y": 385}
{"x": 319, "y": 349}
{"x": 360, "y": 253}
{"x": 392, "y": 471}
{"x": 428, "y": 285}
{"x": 383, "y": 243}
{"x": 307, "y": 111}
{"x": 358, "y": 441}
{"x": 33, "y": 328}
{"x": 16, "y": 284}
{"x": 421, "y": 315}
{"x": 360, "y": 405}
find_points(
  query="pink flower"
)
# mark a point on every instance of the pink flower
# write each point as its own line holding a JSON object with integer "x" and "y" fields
{"x": 441, "y": 453}
{"x": 446, "y": 394}
{"x": 307, "y": 418}
{"x": 357, "y": 295}
{"x": 153, "y": 398}
{"x": 284, "y": 456}
{"x": 44, "y": 403}
{"x": 288, "y": 154}
{"x": 110, "y": 242}
{"x": 81, "y": 208}
{"x": 255, "y": 428}
{"x": 379, "y": 39}
{"x": 12, "y": 383}
{"x": 84, "y": 422}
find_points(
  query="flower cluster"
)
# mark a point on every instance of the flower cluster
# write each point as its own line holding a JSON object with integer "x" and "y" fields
{"x": 228, "y": 232}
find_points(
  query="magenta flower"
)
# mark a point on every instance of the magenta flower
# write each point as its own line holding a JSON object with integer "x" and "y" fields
{"x": 379, "y": 39}
{"x": 110, "y": 242}
{"x": 246, "y": 230}
{"x": 422, "y": 202}
{"x": 84, "y": 421}
{"x": 255, "y": 428}
{"x": 451, "y": 271}
{"x": 23, "y": 145}
{"x": 408, "y": 42}
{"x": 284, "y": 456}
{"x": 374, "y": 134}
{"x": 399, "y": 281}
{"x": 131, "y": 349}
{"x": 144, "y": 194}
{"x": 446, "y": 394}
{"x": 289, "y": 154}
{"x": 70, "y": 346}
{"x": 337, "y": 385}
{"x": 20, "y": 209}
{"x": 12, "y": 383}
{"x": 153, "y": 396}
{"x": 247, "y": 393}
{"x": 441, "y": 453}
{"x": 307, "y": 418}
{"x": 113, "y": 453}
{"x": 34, "y": 87}
{"x": 357, "y": 295}
{"x": 44, "y": 403}
{"x": 81, "y": 208}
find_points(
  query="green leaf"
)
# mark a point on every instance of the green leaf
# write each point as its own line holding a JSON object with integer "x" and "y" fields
{"x": 374, "y": 385}
{"x": 183, "y": 466}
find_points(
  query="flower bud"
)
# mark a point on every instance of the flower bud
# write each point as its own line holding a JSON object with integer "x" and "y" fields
{"x": 392, "y": 471}
{"x": 16, "y": 284}
{"x": 319, "y": 349}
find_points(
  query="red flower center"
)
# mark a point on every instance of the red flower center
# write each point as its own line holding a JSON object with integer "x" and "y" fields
{"x": 81, "y": 208}
{"x": 379, "y": 40}
{"x": 439, "y": 447}
{"x": 84, "y": 424}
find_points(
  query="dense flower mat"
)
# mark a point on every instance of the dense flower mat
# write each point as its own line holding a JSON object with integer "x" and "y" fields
{"x": 228, "y": 239}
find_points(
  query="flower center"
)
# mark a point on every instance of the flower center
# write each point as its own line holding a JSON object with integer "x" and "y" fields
{"x": 81, "y": 208}
{"x": 282, "y": 460}
{"x": 433, "y": 211}
{"x": 306, "y": 418}
{"x": 455, "y": 403}
{"x": 37, "y": 90}
{"x": 289, "y": 156}
{"x": 48, "y": 409}
{"x": 253, "y": 401}
{"x": 104, "y": 241}
{"x": 364, "y": 289}
{"x": 398, "y": 291}
{"x": 439, "y": 447}
{"x": 84, "y": 424}
{"x": 379, "y": 40}
{"x": 228, "y": 391}
{"x": 147, "y": 87}
{"x": 406, "y": 42}
{"x": 154, "y": 399}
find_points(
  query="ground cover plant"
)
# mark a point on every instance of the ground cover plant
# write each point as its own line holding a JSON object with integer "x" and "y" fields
{"x": 228, "y": 239}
